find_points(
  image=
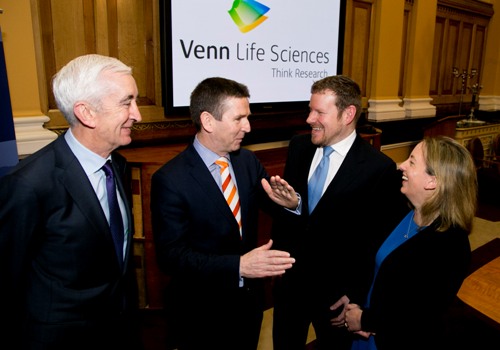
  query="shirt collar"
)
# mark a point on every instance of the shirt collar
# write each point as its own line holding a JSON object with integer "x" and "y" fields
{"x": 209, "y": 157}
{"x": 342, "y": 147}
{"x": 90, "y": 161}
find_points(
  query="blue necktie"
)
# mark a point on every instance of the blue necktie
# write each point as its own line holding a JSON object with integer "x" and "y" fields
{"x": 317, "y": 181}
{"x": 115, "y": 215}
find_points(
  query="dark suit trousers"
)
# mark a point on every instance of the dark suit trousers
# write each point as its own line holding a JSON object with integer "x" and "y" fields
{"x": 229, "y": 321}
{"x": 294, "y": 311}
{"x": 111, "y": 333}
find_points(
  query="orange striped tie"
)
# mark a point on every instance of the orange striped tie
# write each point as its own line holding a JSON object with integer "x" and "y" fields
{"x": 229, "y": 189}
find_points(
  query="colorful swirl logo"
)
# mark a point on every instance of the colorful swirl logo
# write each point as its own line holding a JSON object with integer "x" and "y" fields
{"x": 248, "y": 14}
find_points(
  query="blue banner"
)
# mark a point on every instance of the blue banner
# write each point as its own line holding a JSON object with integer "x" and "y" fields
{"x": 8, "y": 146}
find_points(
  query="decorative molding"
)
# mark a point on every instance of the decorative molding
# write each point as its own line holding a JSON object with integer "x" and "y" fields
{"x": 465, "y": 8}
{"x": 31, "y": 135}
{"x": 489, "y": 103}
{"x": 419, "y": 107}
{"x": 148, "y": 127}
{"x": 398, "y": 145}
{"x": 162, "y": 125}
{"x": 384, "y": 110}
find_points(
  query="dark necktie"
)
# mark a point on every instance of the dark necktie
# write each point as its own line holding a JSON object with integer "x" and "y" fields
{"x": 115, "y": 215}
{"x": 317, "y": 181}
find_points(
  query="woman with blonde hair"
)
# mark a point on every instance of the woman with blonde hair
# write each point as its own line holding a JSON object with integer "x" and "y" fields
{"x": 423, "y": 262}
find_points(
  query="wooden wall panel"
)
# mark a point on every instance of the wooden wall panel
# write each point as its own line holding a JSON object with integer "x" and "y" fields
{"x": 451, "y": 56}
{"x": 480, "y": 47}
{"x": 101, "y": 23}
{"x": 459, "y": 41}
{"x": 68, "y": 34}
{"x": 125, "y": 29}
{"x": 437, "y": 61}
{"x": 465, "y": 48}
{"x": 131, "y": 38}
{"x": 358, "y": 43}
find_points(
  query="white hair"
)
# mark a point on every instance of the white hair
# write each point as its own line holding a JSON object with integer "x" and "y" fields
{"x": 81, "y": 80}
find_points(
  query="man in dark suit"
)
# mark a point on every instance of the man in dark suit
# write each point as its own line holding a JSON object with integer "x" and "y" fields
{"x": 333, "y": 242}
{"x": 64, "y": 284}
{"x": 205, "y": 243}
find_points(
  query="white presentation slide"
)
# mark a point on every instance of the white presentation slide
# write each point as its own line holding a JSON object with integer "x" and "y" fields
{"x": 278, "y": 48}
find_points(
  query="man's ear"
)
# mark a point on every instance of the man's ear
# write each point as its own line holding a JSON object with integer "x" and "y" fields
{"x": 207, "y": 121}
{"x": 349, "y": 114}
{"x": 84, "y": 114}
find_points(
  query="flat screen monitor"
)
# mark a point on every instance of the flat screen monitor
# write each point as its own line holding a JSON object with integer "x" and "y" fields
{"x": 278, "y": 48}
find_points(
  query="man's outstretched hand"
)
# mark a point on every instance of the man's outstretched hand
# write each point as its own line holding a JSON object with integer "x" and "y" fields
{"x": 281, "y": 192}
{"x": 264, "y": 262}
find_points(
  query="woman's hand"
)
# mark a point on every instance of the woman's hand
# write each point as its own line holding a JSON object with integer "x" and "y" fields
{"x": 353, "y": 317}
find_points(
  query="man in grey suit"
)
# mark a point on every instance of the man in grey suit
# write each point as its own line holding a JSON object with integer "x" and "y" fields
{"x": 334, "y": 240}
{"x": 215, "y": 296}
{"x": 64, "y": 284}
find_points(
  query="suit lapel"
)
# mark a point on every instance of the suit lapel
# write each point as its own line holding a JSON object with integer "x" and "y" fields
{"x": 348, "y": 170}
{"x": 345, "y": 176}
{"x": 306, "y": 164}
{"x": 72, "y": 176}
{"x": 202, "y": 176}
{"x": 80, "y": 189}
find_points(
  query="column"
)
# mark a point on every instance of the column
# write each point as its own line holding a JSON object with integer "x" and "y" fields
{"x": 384, "y": 103}
{"x": 417, "y": 102}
